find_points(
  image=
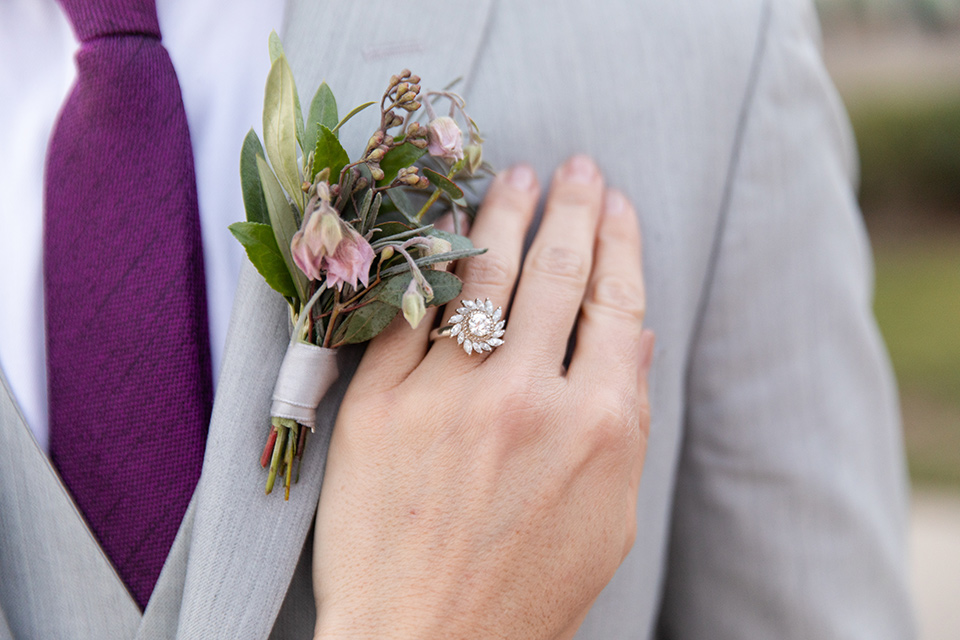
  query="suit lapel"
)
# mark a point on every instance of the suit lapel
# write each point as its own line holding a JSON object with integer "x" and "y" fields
{"x": 356, "y": 46}
{"x": 55, "y": 581}
{"x": 238, "y": 549}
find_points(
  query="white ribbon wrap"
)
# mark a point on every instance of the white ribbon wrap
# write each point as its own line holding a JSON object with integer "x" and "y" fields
{"x": 306, "y": 374}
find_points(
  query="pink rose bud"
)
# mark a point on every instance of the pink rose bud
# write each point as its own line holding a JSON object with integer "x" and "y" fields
{"x": 319, "y": 236}
{"x": 351, "y": 262}
{"x": 445, "y": 139}
{"x": 413, "y": 305}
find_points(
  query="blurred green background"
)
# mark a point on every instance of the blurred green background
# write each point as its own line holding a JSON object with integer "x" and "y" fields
{"x": 896, "y": 64}
{"x": 897, "y": 67}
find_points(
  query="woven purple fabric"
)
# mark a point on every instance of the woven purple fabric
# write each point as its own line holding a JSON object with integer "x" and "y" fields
{"x": 128, "y": 349}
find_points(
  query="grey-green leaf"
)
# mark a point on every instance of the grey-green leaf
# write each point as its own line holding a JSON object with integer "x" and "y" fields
{"x": 298, "y": 112}
{"x": 276, "y": 52}
{"x": 380, "y": 239}
{"x": 428, "y": 260}
{"x": 283, "y": 222}
{"x": 323, "y": 111}
{"x": 398, "y": 158}
{"x": 457, "y": 242}
{"x": 280, "y": 128}
{"x": 365, "y": 323}
{"x": 330, "y": 153}
{"x": 261, "y": 245}
{"x": 365, "y": 207}
{"x": 352, "y": 113}
{"x": 371, "y": 218}
{"x": 446, "y": 287}
{"x": 443, "y": 183}
{"x": 402, "y": 202}
{"x": 275, "y": 46}
{"x": 254, "y": 202}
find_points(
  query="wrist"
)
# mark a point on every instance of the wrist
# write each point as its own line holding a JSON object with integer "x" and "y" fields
{"x": 373, "y": 623}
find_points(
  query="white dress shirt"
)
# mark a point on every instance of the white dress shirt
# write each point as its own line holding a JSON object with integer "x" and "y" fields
{"x": 220, "y": 54}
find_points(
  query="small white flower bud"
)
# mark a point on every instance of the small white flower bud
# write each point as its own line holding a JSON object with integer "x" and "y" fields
{"x": 413, "y": 305}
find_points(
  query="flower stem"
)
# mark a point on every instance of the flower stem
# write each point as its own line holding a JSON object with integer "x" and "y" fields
{"x": 268, "y": 449}
{"x": 275, "y": 461}
{"x": 333, "y": 318}
{"x": 300, "y": 447}
{"x": 429, "y": 203}
{"x": 288, "y": 460}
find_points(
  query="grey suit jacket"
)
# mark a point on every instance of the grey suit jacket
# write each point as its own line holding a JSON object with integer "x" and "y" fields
{"x": 773, "y": 499}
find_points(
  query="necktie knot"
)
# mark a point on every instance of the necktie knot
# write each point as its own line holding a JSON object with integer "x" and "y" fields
{"x": 94, "y": 19}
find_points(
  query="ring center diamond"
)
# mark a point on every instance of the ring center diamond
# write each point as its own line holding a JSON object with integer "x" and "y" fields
{"x": 480, "y": 324}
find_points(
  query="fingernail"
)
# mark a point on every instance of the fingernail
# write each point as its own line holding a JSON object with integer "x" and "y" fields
{"x": 579, "y": 168}
{"x": 647, "y": 342}
{"x": 521, "y": 177}
{"x": 615, "y": 203}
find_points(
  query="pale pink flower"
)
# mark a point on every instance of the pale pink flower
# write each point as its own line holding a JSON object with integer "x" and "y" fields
{"x": 351, "y": 262}
{"x": 319, "y": 236}
{"x": 445, "y": 139}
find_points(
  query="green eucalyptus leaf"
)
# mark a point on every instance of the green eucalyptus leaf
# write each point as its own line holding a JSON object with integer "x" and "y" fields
{"x": 323, "y": 111}
{"x": 397, "y": 158}
{"x": 428, "y": 260}
{"x": 446, "y": 287}
{"x": 457, "y": 242}
{"x": 284, "y": 223}
{"x": 261, "y": 245}
{"x": 352, "y": 113}
{"x": 280, "y": 128}
{"x": 402, "y": 202}
{"x": 254, "y": 202}
{"x": 443, "y": 183}
{"x": 365, "y": 323}
{"x": 330, "y": 154}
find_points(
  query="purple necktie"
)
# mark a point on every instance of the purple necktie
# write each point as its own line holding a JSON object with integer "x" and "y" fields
{"x": 128, "y": 349}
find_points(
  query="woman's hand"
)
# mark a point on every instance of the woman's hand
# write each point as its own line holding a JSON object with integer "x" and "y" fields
{"x": 494, "y": 495}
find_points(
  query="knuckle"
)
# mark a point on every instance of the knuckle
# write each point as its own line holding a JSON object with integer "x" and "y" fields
{"x": 522, "y": 411}
{"x": 489, "y": 269}
{"x": 559, "y": 261}
{"x": 619, "y": 295}
{"x": 614, "y": 425}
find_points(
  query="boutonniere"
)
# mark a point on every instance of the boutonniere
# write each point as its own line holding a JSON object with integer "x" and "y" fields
{"x": 349, "y": 243}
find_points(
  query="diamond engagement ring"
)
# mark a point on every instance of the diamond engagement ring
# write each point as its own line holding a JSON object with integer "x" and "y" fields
{"x": 476, "y": 326}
